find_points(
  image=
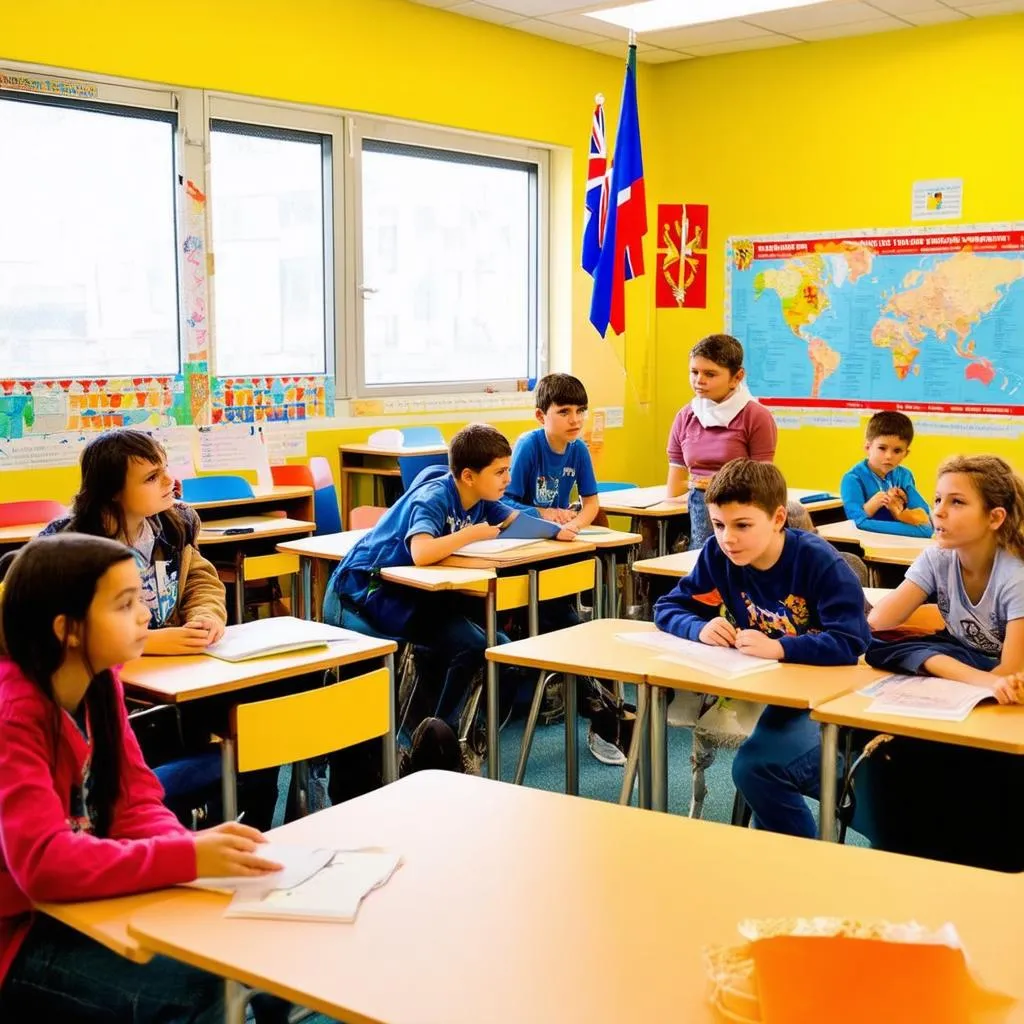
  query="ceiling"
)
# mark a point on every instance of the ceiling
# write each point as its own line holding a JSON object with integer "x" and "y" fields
{"x": 563, "y": 20}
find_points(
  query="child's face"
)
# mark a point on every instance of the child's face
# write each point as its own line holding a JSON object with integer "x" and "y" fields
{"x": 562, "y": 423}
{"x": 745, "y": 532}
{"x": 885, "y": 453}
{"x": 959, "y": 514}
{"x": 490, "y": 483}
{"x": 709, "y": 380}
{"x": 148, "y": 489}
{"x": 118, "y": 619}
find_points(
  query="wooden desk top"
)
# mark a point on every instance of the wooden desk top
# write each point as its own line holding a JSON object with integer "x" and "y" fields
{"x": 259, "y": 494}
{"x": 989, "y": 726}
{"x": 330, "y": 547}
{"x": 611, "y": 502}
{"x": 394, "y": 453}
{"x": 890, "y": 555}
{"x": 261, "y": 526}
{"x": 436, "y": 577}
{"x": 19, "y": 534}
{"x": 554, "y": 868}
{"x": 796, "y": 493}
{"x": 181, "y": 678}
{"x": 846, "y": 532}
{"x": 611, "y": 539}
{"x": 539, "y": 551}
{"x": 679, "y": 564}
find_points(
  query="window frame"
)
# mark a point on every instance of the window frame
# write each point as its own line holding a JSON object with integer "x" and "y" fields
{"x": 285, "y": 117}
{"x": 467, "y": 143}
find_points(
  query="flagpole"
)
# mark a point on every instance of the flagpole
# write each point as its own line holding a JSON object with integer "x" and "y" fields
{"x": 632, "y": 38}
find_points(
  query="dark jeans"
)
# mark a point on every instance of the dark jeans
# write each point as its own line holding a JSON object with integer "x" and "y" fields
{"x": 910, "y": 654}
{"x": 61, "y": 975}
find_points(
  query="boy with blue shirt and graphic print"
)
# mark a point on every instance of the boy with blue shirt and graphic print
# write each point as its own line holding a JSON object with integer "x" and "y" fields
{"x": 879, "y": 494}
{"x": 777, "y": 593}
{"x": 549, "y": 464}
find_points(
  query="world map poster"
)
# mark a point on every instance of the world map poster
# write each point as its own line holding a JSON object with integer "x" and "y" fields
{"x": 919, "y": 320}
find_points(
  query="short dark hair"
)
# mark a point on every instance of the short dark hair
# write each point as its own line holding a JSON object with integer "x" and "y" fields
{"x": 560, "y": 389}
{"x": 890, "y": 424}
{"x": 747, "y": 482}
{"x": 722, "y": 349}
{"x": 475, "y": 447}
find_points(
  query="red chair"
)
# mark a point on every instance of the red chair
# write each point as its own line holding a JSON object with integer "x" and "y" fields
{"x": 365, "y": 517}
{"x": 25, "y": 513}
{"x": 292, "y": 476}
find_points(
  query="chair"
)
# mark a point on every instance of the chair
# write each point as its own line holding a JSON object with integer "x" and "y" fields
{"x": 292, "y": 476}
{"x": 215, "y": 488}
{"x": 420, "y": 437}
{"x": 252, "y": 568}
{"x": 24, "y": 513}
{"x": 365, "y": 517}
{"x": 325, "y": 497}
{"x": 410, "y": 466}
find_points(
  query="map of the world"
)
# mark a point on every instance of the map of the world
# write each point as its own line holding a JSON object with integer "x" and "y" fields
{"x": 923, "y": 319}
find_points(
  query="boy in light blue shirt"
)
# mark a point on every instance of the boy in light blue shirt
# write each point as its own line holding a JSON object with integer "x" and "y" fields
{"x": 879, "y": 494}
{"x": 552, "y": 461}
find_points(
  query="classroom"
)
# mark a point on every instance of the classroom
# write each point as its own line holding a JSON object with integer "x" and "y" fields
{"x": 557, "y": 461}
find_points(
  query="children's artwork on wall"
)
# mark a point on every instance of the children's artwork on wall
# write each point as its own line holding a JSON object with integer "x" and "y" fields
{"x": 271, "y": 399}
{"x": 681, "y": 281}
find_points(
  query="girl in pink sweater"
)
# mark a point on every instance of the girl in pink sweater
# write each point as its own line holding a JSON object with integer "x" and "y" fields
{"x": 80, "y": 813}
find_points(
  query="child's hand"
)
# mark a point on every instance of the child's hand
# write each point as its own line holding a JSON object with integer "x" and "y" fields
{"x": 568, "y": 532}
{"x": 178, "y": 640}
{"x": 230, "y": 850}
{"x": 718, "y": 633}
{"x": 897, "y": 501}
{"x": 479, "y": 531}
{"x": 757, "y": 645}
{"x": 877, "y": 502}
{"x": 557, "y": 515}
{"x": 213, "y": 626}
{"x": 1008, "y": 689}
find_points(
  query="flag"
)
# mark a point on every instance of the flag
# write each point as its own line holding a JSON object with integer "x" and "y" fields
{"x": 595, "y": 212}
{"x": 622, "y": 256}
{"x": 681, "y": 275}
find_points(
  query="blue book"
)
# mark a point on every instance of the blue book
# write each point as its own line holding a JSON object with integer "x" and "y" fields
{"x": 525, "y": 527}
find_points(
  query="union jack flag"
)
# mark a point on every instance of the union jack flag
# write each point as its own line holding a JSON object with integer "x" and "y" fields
{"x": 595, "y": 215}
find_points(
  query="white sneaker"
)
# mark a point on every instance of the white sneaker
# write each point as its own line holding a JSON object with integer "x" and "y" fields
{"x": 605, "y": 752}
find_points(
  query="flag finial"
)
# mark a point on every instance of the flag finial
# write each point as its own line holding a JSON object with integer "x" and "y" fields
{"x": 632, "y": 38}
{"x": 599, "y": 99}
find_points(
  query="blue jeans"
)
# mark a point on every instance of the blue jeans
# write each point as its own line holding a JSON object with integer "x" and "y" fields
{"x": 777, "y": 766}
{"x": 61, "y": 975}
{"x": 700, "y": 521}
{"x": 910, "y": 654}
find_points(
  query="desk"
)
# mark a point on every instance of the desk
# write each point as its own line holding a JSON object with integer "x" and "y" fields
{"x": 608, "y": 542}
{"x": 622, "y": 503}
{"x": 988, "y": 727}
{"x": 366, "y": 460}
{"x": 297, "y": 502}
{"x": 845, "y": 532}
{"x": 179, "y": 679}
{"x": 15, "y": 536}
{"x": 679, "y": 564}
{"x": 262, "y": 527}
{"x": 561, "y": 865}
{"x": 315, "y": 553}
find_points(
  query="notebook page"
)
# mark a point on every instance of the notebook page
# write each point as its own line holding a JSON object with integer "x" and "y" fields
{"x": 925, "y": 697}
{"x": 725, "y": 662}
{"x": 298, "y": 863}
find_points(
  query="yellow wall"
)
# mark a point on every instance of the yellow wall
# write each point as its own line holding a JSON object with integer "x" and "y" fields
{"x": 830, "y": 136}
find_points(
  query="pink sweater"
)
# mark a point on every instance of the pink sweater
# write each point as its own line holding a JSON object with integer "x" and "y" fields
{"x": 752, "y": 434}
{"x": 41, "y": 858}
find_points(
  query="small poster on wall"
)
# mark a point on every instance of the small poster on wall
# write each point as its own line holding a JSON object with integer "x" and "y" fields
{"x": 682, "y": 276}
{"x": 941, "y": 199}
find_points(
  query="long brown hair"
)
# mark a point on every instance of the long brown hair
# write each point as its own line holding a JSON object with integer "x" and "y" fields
{"x": 104, "y": 465}
{"x": 54, "y": 576}
{"x": 998, "y": 486}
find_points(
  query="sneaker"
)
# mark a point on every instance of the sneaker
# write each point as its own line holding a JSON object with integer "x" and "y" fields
{"x": 610, "y": 734}
{"x": 552, "y": 708}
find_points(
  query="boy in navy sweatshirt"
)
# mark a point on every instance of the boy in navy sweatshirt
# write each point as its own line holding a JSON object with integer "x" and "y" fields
{"x": 770, "y": 592}
{"x": 878, "y": 493}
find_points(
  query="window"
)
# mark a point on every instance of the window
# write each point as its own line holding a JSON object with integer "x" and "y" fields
{"x": 271, "y": 217}
{"x": 449, "y": 280}
{"x": 88, "y": 241}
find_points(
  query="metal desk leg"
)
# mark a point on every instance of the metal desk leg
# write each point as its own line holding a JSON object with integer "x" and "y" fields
{"x": 572, "y": 754}
{"x": 389, "y": 753}
{"x": 659, "y": 749}
{"x": 491, "y": 674}
{"x": 610, "y": 609}
{"x": 662, "y": 536}
{"x": 599, "y": 588}
{"x": 829, "y": 753}
{"x": 635, "y": 754}
{"x": 228, "y": 780}
{"x": 644, "y": 768}
{"x": 306, "y": 587}
{"x": 235, "y": 1001}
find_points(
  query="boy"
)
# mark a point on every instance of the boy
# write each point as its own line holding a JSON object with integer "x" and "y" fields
{"x": 776, "y": 593}
{"x": 549, "y": 462}
{"x": 880, "y": 495}
{"x": 547, "y": 465}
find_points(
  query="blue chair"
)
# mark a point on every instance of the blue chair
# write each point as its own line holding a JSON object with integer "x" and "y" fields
{"x": 420, "y": 437}
{"x": 410, "y": 466}
{"x": 215, "y": 488}
{"x": 613, "y": 485}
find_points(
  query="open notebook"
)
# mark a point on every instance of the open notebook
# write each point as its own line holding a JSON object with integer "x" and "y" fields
{"x": 925, "y": 697}
{"x": 723, "y": 662}
{"x": 275, "y": 636}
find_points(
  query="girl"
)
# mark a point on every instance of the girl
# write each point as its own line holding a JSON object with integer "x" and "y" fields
{"x": 722, "y": 422}
{"x": 975, "y": 573}
{"x": 128, "y": 495}
{"x": 80, "y": 813}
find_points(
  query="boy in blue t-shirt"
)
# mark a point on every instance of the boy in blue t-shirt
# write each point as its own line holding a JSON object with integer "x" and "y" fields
{"x": 879, "y": 494}
{"x": 773, "y": 593}
{"x": 552, "y": 461}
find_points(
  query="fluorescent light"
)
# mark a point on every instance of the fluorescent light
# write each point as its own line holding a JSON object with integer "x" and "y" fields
{"x": 655, "y": 15}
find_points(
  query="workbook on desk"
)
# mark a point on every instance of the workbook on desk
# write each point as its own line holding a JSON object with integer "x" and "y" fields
{"x": 483, "y": 548}
{"x": 275, "y": 636}
{"x": 925, "y": 697}
{"x": 723, "y": 662}
{"x": 637, "y": 497}
{"x": 333, "y": 892}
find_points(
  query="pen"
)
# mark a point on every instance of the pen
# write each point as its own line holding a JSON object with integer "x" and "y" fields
{"x": 240, "y": 817}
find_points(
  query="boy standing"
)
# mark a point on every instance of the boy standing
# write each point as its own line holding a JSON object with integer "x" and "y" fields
{"x": 777, "y": 593}
{"x": 879, "y": 494}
